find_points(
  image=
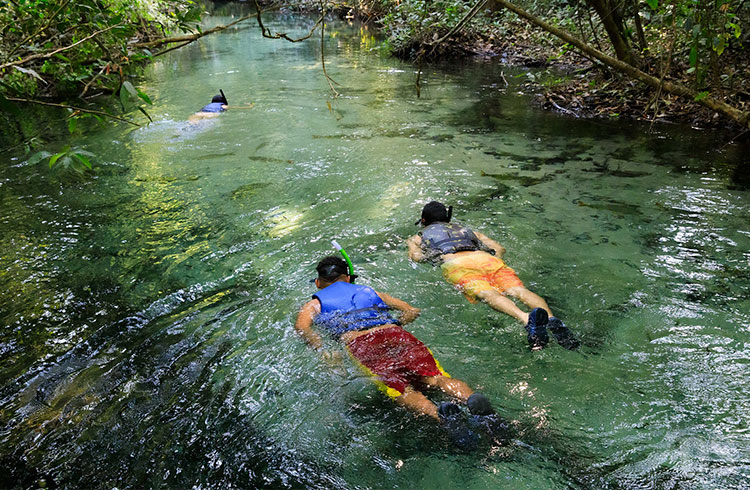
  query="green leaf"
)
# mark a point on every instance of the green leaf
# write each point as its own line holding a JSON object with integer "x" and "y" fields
{"x": 653, "y": 3}
{"x": 693, "y": 55}
{"x": 700, "y": 96}
{"x": 83, "y": 160}
{"x": 53, "y": 159}
{"x": 719, "y": 44}
{"x": 145, "y": 97}
{"x": 737, "y": 29}
{"x": 145, "y": 113}
{"x": 123, "y": 98}
{"x": 78, "y": 151}
{"x": 65, "y": 161}
{"x": 129, "y": 87}
{"x": 38, "y": 157}
{"x": 72, "y": 125}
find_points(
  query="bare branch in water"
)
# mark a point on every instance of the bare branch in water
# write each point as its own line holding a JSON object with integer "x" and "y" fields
{"x": 65, "y": 106}
{"x": 330, "y": 80}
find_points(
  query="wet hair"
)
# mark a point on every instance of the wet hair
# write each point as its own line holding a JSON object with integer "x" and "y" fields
{"x": 219, "y": 98}
{"x": 435, "y": 212}
{"x": 330, "y": 268}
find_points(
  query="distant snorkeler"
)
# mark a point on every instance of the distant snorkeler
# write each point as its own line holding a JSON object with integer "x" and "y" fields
{"x": 218, "y": 105}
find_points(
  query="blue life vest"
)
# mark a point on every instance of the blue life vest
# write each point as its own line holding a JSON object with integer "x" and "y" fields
{"x": 213, "y": 107}
{"x": 448, "y": 238}
{"x": 345, "y": 307}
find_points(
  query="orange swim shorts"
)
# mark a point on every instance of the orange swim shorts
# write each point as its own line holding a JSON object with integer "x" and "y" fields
{"x": 475, "y": 272}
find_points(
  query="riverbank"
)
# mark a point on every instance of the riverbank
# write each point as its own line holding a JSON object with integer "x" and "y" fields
{"x": 591, "y": 68}
{"x": 564, "y": 81}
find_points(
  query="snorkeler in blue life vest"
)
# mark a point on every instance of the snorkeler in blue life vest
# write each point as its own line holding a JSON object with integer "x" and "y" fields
{"x": 402, "y": 366}
{"x": 473, "y": 263}
{"x": 218, "y": 105}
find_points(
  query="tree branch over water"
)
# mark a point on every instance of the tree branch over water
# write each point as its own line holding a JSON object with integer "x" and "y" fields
{"x": 282, "y": 35}
{"x": 189, "y": 38}
{"x": 59, "y": 50}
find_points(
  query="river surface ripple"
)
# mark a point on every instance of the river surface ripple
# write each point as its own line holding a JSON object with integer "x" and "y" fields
{"x": 147, "y": 312}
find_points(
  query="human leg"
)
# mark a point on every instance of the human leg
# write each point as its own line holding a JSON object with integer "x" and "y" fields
{"x": 501, "y": 303}
{"x": 452, "y": 386}
{"x": 483, "y": 415}
{"x": 416, "y": 401}
{"x": 448, "y": 414}
{"x": 529, "y": 298}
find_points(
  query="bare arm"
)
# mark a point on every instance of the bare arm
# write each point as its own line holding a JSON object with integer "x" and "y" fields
{"x": 489, "y": 242}
{"x": 414, "y": 243}
{"x": 305, "y": 321}
{"x": 249, "y": 105}
{"x": 409, "y": 313}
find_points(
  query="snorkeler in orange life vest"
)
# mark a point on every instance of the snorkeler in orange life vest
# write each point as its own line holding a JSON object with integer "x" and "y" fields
{"x": 399, "y": 363}
{"x": 473, "y": 263}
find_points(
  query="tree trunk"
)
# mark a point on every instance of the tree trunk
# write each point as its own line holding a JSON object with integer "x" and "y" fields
{"x": 611, "y": 18}
{"x": 742, "y": 118}
{"x": 643, "y": 44}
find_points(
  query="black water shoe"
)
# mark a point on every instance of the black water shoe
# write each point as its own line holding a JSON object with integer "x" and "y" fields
{"x": 562, "y": 334}
{"x": 484, "y": 419}
{"x": 453, "y": 421}
{"x": 536, "y": 328}
{"x": 479, "y": 404}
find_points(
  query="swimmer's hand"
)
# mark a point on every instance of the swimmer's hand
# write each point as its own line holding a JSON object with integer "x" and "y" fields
{"x": 409, "y": 315}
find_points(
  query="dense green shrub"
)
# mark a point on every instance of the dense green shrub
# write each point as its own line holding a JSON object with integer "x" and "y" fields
{"x": 65, "y": 47}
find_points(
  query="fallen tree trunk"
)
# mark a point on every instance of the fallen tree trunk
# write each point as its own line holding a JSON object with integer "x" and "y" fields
{"x": 743, "y": 118}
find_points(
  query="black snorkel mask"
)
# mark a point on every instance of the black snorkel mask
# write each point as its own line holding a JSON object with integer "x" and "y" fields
{"x": 220, "y": 99}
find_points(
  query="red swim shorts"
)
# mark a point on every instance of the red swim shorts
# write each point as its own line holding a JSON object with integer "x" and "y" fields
{"x": 395, "y": 357}
{"x": 474, "y": 272}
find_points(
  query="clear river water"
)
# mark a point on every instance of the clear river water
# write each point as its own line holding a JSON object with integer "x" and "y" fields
{"x": 147, "y": 311}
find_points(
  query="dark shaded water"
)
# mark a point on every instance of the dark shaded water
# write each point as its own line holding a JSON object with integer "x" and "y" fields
{"x": 147, "y": 312}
